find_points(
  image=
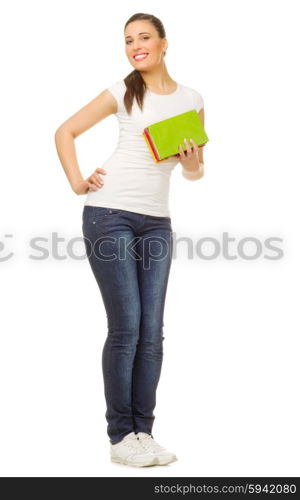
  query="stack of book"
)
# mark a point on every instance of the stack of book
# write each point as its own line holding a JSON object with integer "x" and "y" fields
{"x": 163, "y": 138}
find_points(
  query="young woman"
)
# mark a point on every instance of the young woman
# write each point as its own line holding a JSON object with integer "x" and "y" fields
{"x": 128, "y": 234}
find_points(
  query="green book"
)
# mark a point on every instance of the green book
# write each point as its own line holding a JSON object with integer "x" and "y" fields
{"x": 163, "y": 137}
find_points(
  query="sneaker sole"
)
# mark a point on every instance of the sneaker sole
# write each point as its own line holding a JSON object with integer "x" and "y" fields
{"x": 167, "y": 461}
{"x": 124, "y": 462}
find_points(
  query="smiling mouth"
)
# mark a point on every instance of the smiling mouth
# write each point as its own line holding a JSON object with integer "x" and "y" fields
{"x": 140, "y": 57}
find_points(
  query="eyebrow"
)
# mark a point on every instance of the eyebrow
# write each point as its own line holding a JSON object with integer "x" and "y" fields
{"x": 143, "y": 32}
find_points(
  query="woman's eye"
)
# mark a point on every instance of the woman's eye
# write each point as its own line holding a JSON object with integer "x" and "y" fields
{"x": 144, "y": 38}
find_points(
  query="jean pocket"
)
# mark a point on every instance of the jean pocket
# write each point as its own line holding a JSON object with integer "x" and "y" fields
{"x": 104, "y": 212}
{"x": 105, "y": 219}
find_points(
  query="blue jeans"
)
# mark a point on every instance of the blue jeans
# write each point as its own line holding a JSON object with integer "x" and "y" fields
{"x": 130, "y": 255}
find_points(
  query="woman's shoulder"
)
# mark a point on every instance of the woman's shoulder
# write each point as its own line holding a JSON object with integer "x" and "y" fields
{"x": 117, "y": 87}
{"x": 191, "y": 90}
{"x": 196, "y": 96}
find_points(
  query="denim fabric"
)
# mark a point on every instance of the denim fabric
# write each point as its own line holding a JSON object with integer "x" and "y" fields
{"x": 130, "y": 255}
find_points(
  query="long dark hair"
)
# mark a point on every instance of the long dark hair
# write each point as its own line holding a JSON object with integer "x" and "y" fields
{"x": 134, "y": 82}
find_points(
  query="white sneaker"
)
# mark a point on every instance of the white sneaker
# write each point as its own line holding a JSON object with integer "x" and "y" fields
{"x": 129, "y": 451}
{"x": 164, "y": 456}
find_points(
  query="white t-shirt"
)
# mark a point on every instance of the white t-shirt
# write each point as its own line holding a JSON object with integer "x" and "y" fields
{"x": 133, "y": 180}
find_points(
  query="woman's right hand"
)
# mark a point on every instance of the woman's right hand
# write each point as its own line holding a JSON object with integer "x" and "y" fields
{"x": 93, "y": 182}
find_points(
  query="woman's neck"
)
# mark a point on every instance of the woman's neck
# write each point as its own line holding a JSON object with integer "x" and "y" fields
{"x": 158, "y": 81}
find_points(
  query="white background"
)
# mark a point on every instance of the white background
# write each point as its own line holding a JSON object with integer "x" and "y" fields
{"x": 228, "y": 397}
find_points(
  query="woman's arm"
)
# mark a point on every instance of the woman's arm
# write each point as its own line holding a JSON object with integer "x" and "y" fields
{"x": 95, "y": 111}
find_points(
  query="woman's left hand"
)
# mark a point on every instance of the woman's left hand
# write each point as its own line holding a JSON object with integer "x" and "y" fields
{"x": 189, "y": 159}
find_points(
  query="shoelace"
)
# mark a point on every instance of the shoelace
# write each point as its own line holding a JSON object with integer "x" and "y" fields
{"x": 133, "y": 444}
{"x": 149, "y": 443}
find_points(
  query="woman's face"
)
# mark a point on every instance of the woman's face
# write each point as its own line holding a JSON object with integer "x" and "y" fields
{"x": 142, "y": 37}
